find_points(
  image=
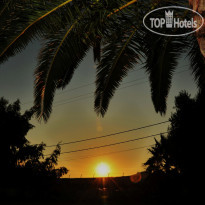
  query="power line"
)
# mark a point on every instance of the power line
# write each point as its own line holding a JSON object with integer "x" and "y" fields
{"x": 92, "y": 96}
{"x": 92, "y": 92}
{"x": 82, "y": 86}
{"x": 109, "y": 153}
{"x": 112, "y": 134}
{"x": 72, "y": 101}
{"x": 113, "y": 144}
{"x": 85, "y": 85}
{"x": 63, "y": 103}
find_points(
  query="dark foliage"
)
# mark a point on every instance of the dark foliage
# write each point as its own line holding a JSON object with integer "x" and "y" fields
{"x": 17, "y": 155}
{"x": 14, "y": 126}
{"x": 176, "y": 162}
{"x": 180, "y": 151}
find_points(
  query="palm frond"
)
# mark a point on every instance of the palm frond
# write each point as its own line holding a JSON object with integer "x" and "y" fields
{"x": 161, "y": 61}
{"x": 62, "y": 53}
{"x": 49, "y": 78}
{"x": 197, "y": 63}
{"x": 97, "y": 49}
{"x": 122, "y": 7}
{"x": 57, "y": 62}
{"x": 28, "y": 20}
{"x": 4, "y": 5}
{"x": 119, "y": 56}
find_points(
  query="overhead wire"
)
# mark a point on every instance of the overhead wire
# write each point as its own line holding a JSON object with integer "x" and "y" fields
{"x": 109, "y": 135}
{"x": 109, "y": 153}
{"x": 112, "y": 144}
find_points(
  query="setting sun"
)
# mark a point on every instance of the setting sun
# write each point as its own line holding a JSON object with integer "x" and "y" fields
{"x": 103, "y": 169}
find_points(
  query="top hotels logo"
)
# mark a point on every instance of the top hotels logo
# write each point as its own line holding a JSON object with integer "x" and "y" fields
{"x": 169, "y": 19}
{"x": 173, "y": 21}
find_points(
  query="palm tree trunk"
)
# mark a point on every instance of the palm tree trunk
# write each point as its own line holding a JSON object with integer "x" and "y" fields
{"x": 199, "y": 6}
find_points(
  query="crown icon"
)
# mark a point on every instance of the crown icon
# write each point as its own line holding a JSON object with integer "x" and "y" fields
{"x": 169, "y": 13}
{"x": 169, "y": 18}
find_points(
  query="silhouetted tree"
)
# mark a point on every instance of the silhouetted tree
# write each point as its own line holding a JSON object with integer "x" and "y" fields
{"x": 181, "y": 150}
{"x": 160, "y": 160}
{"x": 16, "y": 151}
{"x": 32, "y": 157}
{"x": 13, "y": 128}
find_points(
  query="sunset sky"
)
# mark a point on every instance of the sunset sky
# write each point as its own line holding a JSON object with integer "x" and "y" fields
{"x": 73, "y": 117}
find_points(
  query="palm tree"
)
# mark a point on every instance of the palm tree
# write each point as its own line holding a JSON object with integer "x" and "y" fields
{"x": 113, "y": 29}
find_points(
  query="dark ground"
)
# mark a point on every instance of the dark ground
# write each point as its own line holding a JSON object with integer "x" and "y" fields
{"x": 97, "y": 191}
